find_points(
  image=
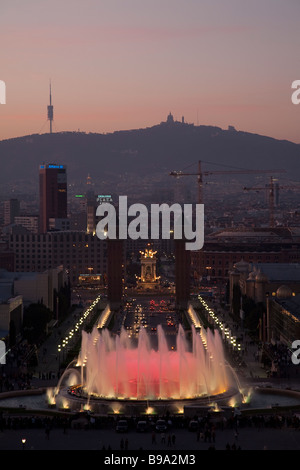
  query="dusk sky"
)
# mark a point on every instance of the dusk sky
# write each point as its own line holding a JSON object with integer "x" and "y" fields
{"x": 125, "y": 64}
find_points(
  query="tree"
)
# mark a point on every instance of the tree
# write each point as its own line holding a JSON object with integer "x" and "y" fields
{"x": 253, "y": 312}
{"x": 12, "y": 333}
{"x": 236, "y": 301}
{"x": 36, "y": 317}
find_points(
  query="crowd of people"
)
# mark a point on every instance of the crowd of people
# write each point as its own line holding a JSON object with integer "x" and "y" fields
{"x": 14, "y": 380}
{"x": 207, "y": 436}
{"x": 206, "y": 429}
{"x": 278, "y": 357}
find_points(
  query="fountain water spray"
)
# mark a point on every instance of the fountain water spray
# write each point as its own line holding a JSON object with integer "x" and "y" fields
{"x": 113, "y": 367}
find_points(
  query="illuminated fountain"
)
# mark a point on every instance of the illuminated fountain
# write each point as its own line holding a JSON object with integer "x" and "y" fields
{"x": 69, "y": 379}
{"x": 113, "y": 369}
{"x": 121, "y": 375}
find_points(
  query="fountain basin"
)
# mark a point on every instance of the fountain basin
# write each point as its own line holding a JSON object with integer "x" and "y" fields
{"x": 260, "y": 399}
{"x": 136, "y": 407}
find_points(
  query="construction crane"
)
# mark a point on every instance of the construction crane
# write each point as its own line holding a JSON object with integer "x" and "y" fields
{"x": 201, "y": 173}
{"x": 271, "y": 190}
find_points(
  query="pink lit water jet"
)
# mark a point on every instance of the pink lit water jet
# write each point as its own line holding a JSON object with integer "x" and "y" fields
{"x": 112, "y": 367}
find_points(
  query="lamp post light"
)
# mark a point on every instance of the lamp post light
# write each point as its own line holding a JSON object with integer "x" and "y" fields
{"x": 23, "y": 443}
{"x": 59, "y": 351}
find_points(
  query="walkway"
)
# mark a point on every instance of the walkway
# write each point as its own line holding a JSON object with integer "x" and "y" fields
{"x": 49, "y": 358}
{"x": 250, "y": 355}
{"x": 72, "y": 439}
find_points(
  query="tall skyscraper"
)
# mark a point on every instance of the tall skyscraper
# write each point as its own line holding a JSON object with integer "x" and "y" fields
{"x": 53, "y": 194}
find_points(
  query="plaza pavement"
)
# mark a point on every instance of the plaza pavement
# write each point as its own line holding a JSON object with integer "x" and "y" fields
{"x": 95, "y": 439}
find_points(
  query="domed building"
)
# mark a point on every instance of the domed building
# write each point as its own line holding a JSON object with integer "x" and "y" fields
{"x": 277, "y": 285}
{"x": 242, "y": 266}
{"x": 284, "y": 292}
{"x": 257, "y": 280}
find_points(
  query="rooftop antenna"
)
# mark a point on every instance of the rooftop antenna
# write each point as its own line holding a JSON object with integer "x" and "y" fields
{"x": 50, "y": 111}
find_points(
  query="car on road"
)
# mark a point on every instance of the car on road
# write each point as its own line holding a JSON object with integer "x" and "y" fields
{"x": 161, "y": 425}
{"x": 122, "y": 426}
{"x": 142, "y": 426}
{"x": 193, "y": 425}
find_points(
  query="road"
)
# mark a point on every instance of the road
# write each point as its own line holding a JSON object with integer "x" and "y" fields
{"x": 149, "y": 312}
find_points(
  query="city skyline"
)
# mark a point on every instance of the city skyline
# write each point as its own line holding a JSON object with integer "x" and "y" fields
{"x": 116, "y": 66}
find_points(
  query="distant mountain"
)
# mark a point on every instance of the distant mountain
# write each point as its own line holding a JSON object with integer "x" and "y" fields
{"x": 162, "y": 148}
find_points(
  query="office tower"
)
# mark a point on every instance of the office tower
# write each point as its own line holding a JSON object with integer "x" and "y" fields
{"x": 53, "y": 194}
{"x": 91, "y": 207}
{"x": 78, "y": 252}
{"x": 11, "y": 210}
{"x": 30, "y": 222}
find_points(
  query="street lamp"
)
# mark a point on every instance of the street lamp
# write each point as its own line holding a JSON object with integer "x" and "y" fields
{"x": 23, "y": 443}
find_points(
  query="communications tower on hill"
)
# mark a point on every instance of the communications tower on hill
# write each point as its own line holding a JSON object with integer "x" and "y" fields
{"x": 50, "y": 111}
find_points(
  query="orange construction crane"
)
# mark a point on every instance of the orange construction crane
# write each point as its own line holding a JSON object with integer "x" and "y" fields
{"x": 201, "y": 173}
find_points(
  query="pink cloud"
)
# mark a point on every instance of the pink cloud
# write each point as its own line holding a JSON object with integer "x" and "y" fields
{"x": 51, "y": 37}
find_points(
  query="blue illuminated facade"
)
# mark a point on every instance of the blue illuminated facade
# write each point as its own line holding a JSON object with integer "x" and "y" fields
{"x": 53, "y": 166}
